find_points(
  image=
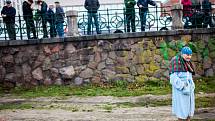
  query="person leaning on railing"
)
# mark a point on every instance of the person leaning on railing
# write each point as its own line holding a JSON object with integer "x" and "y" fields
{"x": 187, "y": 12}
{"x": 59, "y": 16}
{"x": 51, "y": 20}
{"x": 143, "y": 10}
{"x": 197, "y": 15}
{"x": 207, "y": 9}
{"x": 130, "y": 14}
{"x": 92, "y": 7}
{"x": 8, "y": 13}
{"x": 42, "y": 13}
{"x": 27, "y": 9}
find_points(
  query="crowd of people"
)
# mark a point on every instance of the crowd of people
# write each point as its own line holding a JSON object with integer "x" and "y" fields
{"x": 44, "y": 12}
{"x": 197, "y": 15}
{"x": 194, "y": 15}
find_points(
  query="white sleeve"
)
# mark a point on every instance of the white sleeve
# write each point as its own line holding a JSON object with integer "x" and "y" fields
{"x": 176, "y": 81}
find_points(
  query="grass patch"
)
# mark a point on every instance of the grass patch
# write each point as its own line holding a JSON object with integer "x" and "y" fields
{"x": 202, "y": 102}
{"x": 206, "y": 85}
{"x": 107, "y": 107}
{"x": 118, "y": 89}
{"x": 15, "y": 106}
{"x": 205, "y": 102}
{"x": 152, "y": 103}
{"x": 89, "y": 90}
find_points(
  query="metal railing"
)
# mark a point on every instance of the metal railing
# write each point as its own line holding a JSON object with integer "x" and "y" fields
{"x": 112, "y": 21}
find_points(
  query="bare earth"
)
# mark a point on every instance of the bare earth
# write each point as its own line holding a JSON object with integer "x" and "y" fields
{"x": 100, "y": 108}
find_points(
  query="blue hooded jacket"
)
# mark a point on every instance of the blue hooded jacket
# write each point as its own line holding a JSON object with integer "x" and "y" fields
{"x": 145, "y": 3}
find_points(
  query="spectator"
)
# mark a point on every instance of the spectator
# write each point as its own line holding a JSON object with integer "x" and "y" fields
{"x": 8, "y": 13}
{"x": 42, "y": 13}
{"x": 207, "y": 9}
{"x": 181, "y": 70}
{"x": 143, "y": 10}
{"x": 130, "y": 14}
{"x": 27, "y": 9}
{"x": 59, "y": 16}
{"x": 92, "y": 7}
{"x": 197, "y": 16}
{"x": 51, "y": 20}
{"x": 187, "y": 12}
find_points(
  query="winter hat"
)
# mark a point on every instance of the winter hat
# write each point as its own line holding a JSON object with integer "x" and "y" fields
{"x": 186, "y": 50}
{"x": 8, "y": 2}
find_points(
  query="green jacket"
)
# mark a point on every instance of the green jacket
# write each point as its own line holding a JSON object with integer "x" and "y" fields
{"x": 130, "y": 3}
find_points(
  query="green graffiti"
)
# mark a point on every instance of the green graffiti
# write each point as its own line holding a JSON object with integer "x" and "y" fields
{"x": 198, "y": 47}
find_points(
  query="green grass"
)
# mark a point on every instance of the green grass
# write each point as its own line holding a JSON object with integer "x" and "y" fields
{"x": 202, "y": 102}
{"x": 118, "y": 89}
{"x": 64, "y": 91}
{"x": 15, "y": 106}
{"x": 206, "y": 85}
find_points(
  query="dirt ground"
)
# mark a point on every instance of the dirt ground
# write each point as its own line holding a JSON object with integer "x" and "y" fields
{"x": 100, "y": 108}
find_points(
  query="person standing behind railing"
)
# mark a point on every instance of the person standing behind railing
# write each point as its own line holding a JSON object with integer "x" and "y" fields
{"x": 197, "y": 15}
{"x": 27, "y": 8}
{"x": 42, "y": 13}
{"x": 59, "y": 16}
{"x": 51, "y": 20}
{"x": 92, "y": 7}
{"x": 8, "y": 13}
{"x": 143, "y": 10}
{"x": 187, "y": 12}
{"x": 130, "y": 14}
{"x": 207, "y": 9}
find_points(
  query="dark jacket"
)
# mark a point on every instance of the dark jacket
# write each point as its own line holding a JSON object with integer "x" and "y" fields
{"x": 43, "y": 8}
{"x": 145, "y": 3}
{"x": 10, "y": 13}
{"x": 59, "y": 15}
{"x": 130, "y": 3}
{"x": 92, "y": 5}
{"x": 50, "y": 16}
{"x": 206, "y": 6}
{"x": 27, "y": 11}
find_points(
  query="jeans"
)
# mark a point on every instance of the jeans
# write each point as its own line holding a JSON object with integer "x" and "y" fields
{"x": 143, "y": 14}
{"x": 130, "y": 19}
{"x": 52, "y": 29}
{"x": 60, "y": 30}
{"x": 44, "y": 25}
{"x": 30, "y": 28}
{"x": 95, "y": 16}
{"x": 11, "y": 31}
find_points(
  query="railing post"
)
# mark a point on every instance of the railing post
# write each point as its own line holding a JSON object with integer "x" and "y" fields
{"x": 125, "y": 19}
{"x": 176, "y": 12}
{"x": 157, "y": 18}
{"x": 108, "y": 17}
{"x": 20, "y": 27}
{"x": 72, "y": 23}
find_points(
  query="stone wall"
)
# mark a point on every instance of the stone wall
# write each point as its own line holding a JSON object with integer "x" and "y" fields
{"x": 103, "y": 58}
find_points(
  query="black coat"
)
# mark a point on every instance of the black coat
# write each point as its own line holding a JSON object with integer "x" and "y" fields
{"x": 92, "y": 5}
{"x": 10, "y": 13}
{"x": 59, "y": 15}
{"x": 27, "y": 11}
{"x": 43, "y": 9}
{"x": 50, "y": 16}
{"x": 145, "y": 3}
